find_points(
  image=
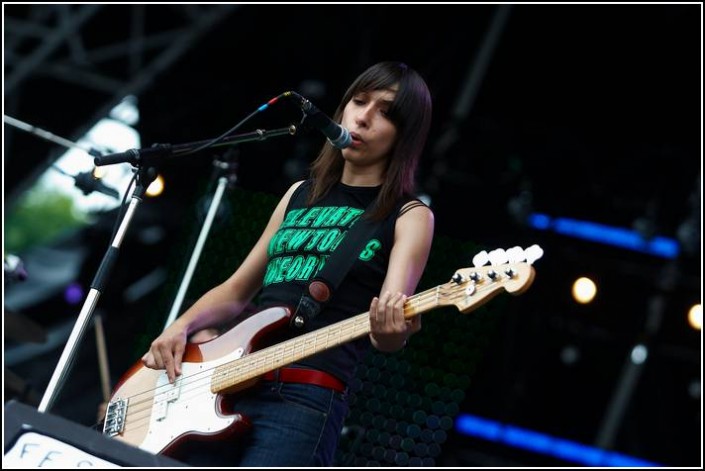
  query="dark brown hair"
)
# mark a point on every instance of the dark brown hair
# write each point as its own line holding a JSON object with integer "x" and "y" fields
{"x": 410, "y": 112}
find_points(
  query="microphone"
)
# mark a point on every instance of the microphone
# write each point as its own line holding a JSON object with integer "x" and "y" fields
{"x": 337, "y": 135}
{"x": 87, "y": 183}
{"x": 135, "y": 156}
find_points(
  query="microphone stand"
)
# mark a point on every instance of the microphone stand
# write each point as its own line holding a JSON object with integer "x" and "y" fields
{"x": 46, "y": 135}
{"x": 227, "y": 179}
{"x": 145, "y": 176}
{"x": 145, "y": 160}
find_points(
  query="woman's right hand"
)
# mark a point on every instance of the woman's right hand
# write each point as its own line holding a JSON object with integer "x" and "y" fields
{"x": 167, "y": 351}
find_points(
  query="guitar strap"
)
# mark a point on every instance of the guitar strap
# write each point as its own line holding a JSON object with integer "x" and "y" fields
{"x": 321, "y": 288}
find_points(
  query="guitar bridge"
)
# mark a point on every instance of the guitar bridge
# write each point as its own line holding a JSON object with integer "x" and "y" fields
{"x": 115, "y": 417}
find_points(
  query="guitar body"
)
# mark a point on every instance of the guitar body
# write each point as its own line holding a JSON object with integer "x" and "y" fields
{"x": 156, "y": 416}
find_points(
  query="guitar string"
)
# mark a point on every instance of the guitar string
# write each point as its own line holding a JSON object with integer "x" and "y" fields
{"x": 190, "y": 389}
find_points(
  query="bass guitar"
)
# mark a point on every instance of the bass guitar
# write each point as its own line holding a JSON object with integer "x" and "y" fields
{"x": 148, "y": 412}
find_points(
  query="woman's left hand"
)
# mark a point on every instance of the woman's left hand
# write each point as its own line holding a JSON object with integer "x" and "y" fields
{"x": 389, "y": 329}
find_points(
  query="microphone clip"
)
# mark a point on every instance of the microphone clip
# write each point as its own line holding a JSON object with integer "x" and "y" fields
{"x": 337, "y": 135}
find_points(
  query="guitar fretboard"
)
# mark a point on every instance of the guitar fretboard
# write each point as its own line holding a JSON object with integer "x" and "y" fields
{"x": 257, "y": 363}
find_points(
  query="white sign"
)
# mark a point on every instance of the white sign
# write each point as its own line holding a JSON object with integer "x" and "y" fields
{"x": 33, "y": 450}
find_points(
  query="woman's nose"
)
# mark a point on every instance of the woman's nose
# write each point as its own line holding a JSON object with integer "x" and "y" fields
{"x": 362, "y": 118}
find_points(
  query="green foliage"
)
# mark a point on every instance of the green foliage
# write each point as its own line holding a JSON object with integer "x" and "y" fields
{"x": 38, "y": 218}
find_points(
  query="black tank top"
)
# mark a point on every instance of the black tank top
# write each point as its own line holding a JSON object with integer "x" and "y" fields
{"x": 300, "y": 248}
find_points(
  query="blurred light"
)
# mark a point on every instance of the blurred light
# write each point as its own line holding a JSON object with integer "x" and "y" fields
{"x": 99, "y": 172}
{"x": 584, "y": 290}
{"x": 479, "y": 427}
{"x": 127, "y": 111}
{"x": 694, "y": 389}
{"x": 73, "y": 294}
{"x": 312, "y": 88}
{"x": 570, "y": 355}
{"x": 107, "y": 134}
{"x": 13, "y": 269}
{"x": 688, "y": 234}
{"x": 695, "y": 317}
{"x": 156, "y": 187}
{"x": 425, "y": 198}
{"x": 626, "y": 238}
{"x": 521, "y": 206}
{"x": 151, "y": 235}
{"x": 540, "y": 221}
{"x": 639, "y": 354}
{"x": 545, "y": 444}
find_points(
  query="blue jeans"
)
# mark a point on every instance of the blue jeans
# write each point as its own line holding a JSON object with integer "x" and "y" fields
{"x": 293, "y": 425}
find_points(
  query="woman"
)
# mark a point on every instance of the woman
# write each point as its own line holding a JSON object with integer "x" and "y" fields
{"x": 297, "y": 412}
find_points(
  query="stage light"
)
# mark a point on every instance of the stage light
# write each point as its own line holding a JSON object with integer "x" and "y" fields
{"x": 639, "y": 354}
{"x": 584, "y": 290}
{"x": 659, "y": 246}
{"x": 73, "y": 294}
{"x": 541, "y": 443}
{"x": 695, "y": 317}
{"x": 156, "y": 187}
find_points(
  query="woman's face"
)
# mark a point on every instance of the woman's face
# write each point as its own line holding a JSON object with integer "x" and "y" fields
{"x": 373, "y": 134}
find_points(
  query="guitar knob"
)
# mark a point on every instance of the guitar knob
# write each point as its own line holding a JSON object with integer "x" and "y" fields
{"x": 533, "y": 253}
{"x": 480, "y": 259}
{"x": 515, "y": 254}
{"x": 498, "y": 257}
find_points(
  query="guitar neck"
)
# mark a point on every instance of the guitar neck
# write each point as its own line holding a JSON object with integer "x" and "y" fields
{"x": 258, "y": 363}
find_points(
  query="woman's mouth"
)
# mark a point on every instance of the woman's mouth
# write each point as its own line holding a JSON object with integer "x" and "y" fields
{"x": 356, "y": 140}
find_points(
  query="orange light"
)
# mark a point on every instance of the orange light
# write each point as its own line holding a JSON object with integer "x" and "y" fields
{"x": 695, "y": 317}
{"x": 584, "y": 290}
{"x": 156, "y": 187}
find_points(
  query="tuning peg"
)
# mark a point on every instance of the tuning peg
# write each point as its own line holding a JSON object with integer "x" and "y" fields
{"x": 533, "y": 253}
{"x": 498, "y": 257}
{"x": 480, "y": 259}
{"x": 515, "y": 254}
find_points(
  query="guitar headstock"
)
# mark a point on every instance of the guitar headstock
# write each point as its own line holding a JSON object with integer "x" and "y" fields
{"x": 494, "y": 272}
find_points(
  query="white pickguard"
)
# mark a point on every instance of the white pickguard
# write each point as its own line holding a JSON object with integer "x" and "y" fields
{"x": 187, "y": 406}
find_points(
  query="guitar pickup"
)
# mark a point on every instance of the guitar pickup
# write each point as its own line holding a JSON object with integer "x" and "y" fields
{"x": 162, "y": 400}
